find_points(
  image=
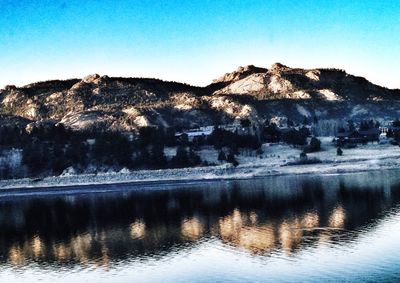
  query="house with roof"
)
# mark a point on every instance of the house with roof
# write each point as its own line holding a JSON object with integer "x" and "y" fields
{"x": 196, "y": 133}
{"x": 370, "y": 135}
{"x": 360, "y": 136}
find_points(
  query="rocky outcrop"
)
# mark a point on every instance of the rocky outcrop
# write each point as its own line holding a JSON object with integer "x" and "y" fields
{"x": 283, "y": 82}
{"x": 239, "y": 74}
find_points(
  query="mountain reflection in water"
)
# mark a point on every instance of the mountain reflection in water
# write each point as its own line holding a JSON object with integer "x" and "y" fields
{"x": 259, "y": 217}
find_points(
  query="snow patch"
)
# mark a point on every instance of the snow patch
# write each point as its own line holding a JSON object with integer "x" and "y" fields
{"x": 68, "y": 171}
{"x": 124, "y": 171}
{"x": 359, "y": 110}
{"x": 303, "y": 111}
{"x": 11, "y": 158}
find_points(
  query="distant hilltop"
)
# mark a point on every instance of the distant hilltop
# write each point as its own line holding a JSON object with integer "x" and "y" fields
{"x": 253, "y": 93}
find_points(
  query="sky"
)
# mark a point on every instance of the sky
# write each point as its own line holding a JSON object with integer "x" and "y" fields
{"x": 195, "y": 41}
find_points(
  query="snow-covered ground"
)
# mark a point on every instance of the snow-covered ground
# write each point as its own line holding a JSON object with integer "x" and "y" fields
{"x": 273, "y": 161}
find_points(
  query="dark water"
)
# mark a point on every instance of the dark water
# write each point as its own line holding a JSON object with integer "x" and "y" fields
{"x": 309, "y": 228}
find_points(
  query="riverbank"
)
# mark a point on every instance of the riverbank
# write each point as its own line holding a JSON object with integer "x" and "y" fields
{"x": 273, "y": 161}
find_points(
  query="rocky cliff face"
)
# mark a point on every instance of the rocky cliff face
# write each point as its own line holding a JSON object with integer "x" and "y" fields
{"x": 282, "y": 82}
{"x": 259, "y": 94}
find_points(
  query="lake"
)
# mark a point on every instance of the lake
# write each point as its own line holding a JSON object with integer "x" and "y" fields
{"x": 283, "y": 228}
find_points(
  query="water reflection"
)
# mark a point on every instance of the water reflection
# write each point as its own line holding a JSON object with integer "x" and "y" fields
{"x": 260, "y": 217}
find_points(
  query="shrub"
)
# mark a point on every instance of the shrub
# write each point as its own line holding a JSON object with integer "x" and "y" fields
{"x": 194, "y": 159}
{"x": 314, "y": 146}
{"x": 222, "y": 138}
{"x": 221, "y": 156}
{"x": 183, "y": 158}
{"x": 231, "y": 159}
{"x": 157, "y": 156}
{"x": 271, "y": 133}
{"x": 296, "y": 137}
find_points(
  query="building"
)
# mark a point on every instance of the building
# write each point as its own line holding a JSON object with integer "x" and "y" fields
{"x": 194, "y": 133}
{"x": 360, "y": 136}
{"x": 370, "y": 135}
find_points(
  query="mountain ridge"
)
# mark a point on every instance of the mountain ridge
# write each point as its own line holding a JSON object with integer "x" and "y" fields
{"x": 250, "y": 92}
{"x": 241, "y": 70}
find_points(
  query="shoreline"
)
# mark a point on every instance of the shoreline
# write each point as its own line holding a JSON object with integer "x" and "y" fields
{"x": 362, "y": 159}
{"x": 57, "y": 187}
{"x": 68, "y": 189}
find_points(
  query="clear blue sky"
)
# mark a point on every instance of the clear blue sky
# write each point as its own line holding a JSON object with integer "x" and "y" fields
{"x": 195, "y": 41}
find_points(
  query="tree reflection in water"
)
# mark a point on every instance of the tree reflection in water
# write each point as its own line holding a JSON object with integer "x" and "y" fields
{"x": 281, "y": 214}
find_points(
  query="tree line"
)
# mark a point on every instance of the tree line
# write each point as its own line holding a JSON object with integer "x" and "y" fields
{"x": 50, "y": 149}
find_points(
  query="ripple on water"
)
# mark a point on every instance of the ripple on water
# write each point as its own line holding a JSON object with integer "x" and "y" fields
{"x": 286, "y": 229}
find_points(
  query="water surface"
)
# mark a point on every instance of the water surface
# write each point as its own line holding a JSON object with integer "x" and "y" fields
{"x": 286, "y": 228}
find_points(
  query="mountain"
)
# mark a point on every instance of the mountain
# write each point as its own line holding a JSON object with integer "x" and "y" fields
{"x": 282, "y": 82}
{"x": 258, "y": 94}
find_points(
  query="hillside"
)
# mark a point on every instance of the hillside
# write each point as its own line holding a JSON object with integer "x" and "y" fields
{"x": 259, "y": 94}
